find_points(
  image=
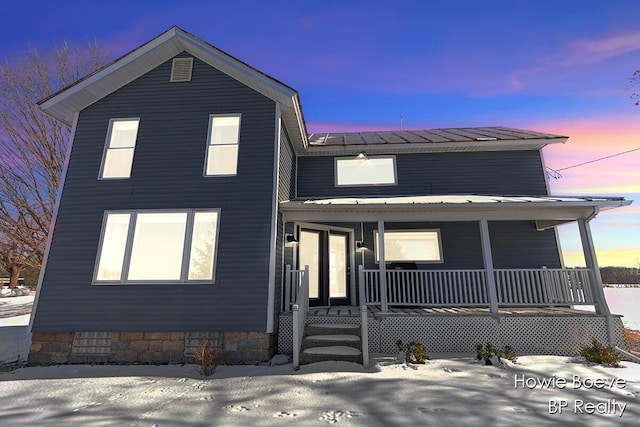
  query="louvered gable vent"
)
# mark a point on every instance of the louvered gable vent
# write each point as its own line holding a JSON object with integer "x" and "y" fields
{"x": 181, "y": 69}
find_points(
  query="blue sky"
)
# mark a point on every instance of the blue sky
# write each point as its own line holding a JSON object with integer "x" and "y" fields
{"x": 552, "y": 66}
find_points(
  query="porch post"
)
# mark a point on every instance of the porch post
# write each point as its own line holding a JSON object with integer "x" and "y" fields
{"x": 592, "y": 264}
{"x": 384, "y": 306}
{"x": 488, "y": 266}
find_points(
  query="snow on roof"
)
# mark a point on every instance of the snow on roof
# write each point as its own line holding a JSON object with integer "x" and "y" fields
{"x": 462, "y": 199}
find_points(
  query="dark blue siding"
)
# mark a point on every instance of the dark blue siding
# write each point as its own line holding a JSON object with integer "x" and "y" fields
{"x": 518, "y": 244}
{"x": 495, "y": 172}
{"x": 286, "y": 189}
{"x": 166, "y": 174}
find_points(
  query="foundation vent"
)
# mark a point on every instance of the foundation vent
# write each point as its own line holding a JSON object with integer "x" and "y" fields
{"x": 181, "y": 70}
{"x": 91, "y": 343}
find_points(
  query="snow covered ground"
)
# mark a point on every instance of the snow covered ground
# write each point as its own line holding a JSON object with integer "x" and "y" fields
{"x": 15, "y": 340}
{"x": 452, "y": 391}
{"x": 455, "y": 391}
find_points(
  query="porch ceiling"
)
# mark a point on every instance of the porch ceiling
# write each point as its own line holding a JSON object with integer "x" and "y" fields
{"x": 553, "y": 209}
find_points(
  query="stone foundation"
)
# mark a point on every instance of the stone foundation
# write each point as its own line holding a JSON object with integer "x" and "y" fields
{"x": 147, "y": 347}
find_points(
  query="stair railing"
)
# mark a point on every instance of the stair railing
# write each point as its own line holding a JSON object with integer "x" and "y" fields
{"x": 364, "y": 317}
{"x": 300, "y": 309}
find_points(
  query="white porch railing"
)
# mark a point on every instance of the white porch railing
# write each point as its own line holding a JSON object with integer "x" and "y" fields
{"x": 300, "y": 309}
{"x": 549, "y": 286}
{"x": 428, "y": 287}
{"x": 292, "y": 281}
{"x": 442, "y": 288}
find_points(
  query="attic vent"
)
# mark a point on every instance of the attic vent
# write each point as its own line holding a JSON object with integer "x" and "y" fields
{"x": 181, "y": 70}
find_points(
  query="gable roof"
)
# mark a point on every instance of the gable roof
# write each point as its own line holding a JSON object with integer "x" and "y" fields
{"x": 432, "y": 140}
{"x": 63, "y": 104}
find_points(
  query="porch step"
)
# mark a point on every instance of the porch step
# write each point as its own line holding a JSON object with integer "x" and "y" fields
{"x": 330, "y": 353}
{"x": 332, "y": 329}
{"x": 331, "y": 342}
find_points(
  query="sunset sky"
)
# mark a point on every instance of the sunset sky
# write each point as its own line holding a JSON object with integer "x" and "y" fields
{"x": 552, "y": 66}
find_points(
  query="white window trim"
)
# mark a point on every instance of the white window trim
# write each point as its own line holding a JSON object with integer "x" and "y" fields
{"x": 108, "y": 142}
{"x": 206, "y": 152}
{"x": 415, "y": 230}
{"x": 186, "y": 254}
{"x": 395, "y": 172}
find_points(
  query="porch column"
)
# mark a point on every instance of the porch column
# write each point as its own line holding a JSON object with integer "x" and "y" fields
{"x": 384, "y": 305}
{"x": 488, "y": 266}
{"x": 592, "y": 264}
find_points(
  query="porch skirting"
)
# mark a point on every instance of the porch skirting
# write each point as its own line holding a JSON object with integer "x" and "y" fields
{"x": 558, "y": 333}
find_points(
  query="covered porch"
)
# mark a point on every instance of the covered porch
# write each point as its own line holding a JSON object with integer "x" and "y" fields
{"x": 476, "y": 238}
{"x": 491, "y": 271}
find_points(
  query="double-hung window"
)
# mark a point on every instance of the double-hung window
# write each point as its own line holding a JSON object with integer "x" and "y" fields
{"x": 222, "y": 145}
{"x": 410, "y": 246}
{"x": 119, "y": 148}
{"x": 158, "y": 247}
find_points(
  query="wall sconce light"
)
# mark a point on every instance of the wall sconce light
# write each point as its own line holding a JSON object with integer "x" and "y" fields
{"x": 362, "y": 156}
{"x": 290, "y": 238}
{"x": 360, "y": 244}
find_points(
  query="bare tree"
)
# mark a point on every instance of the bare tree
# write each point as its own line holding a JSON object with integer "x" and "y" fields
{"x": 634, "y": 83}
{"x": 33, "y": 147}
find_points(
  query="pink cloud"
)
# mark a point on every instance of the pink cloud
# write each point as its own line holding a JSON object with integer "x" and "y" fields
{"x": 574, "y": 53}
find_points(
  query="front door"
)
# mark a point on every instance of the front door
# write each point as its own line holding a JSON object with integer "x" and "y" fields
{"x": 327, "y": 255}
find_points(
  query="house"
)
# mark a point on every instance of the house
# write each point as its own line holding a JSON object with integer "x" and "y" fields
{"x": 195, "y": 206}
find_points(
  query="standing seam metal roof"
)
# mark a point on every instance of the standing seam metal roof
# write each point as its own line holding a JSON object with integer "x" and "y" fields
{"x": 440, "y": 135}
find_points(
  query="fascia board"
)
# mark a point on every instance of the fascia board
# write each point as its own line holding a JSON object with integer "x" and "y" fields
{"x": 434, "y": 147}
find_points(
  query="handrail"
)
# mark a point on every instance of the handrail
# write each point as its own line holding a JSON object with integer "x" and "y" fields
{"x": 292, "y": 280}
{"x": 300, "y": 309}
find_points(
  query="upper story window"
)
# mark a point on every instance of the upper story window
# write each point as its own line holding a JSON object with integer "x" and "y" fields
{"x": 222, "y": 145}
{"x": 410, "y": 246}
{"x": 158, "y": 247}
{"x": 363, "y": 170}
{"x": 119, "y": 148}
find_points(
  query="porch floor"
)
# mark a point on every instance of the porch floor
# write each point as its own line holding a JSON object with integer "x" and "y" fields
{"x": 351, "y": 311}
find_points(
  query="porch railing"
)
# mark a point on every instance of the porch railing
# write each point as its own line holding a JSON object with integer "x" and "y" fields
{"x": 300, "y": 309}
{"x": 292, "y": 280}
{"x": 526, "y": 287}
{"x": 549, "y": 286}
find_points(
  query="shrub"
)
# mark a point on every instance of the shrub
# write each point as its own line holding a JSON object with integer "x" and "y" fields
{"x": 208, "y": 358}
{"x": 487, "y": 351}
{"x": 599, "y": 353}
{"x": 414, "y": 352}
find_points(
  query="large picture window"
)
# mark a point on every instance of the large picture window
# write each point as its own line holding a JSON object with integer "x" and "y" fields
{"x": 119, "y": 148}
{"x": 364, "y": 170}
{"x": 222, "y": 145}
{"x": 158, "y": 247}
{"x": 410, "y": 246}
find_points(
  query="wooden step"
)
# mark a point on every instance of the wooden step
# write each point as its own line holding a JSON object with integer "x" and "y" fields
{"x": 330, "y": 353}
{"x": 332, "y": 329}
{"x": 332, "y": 340}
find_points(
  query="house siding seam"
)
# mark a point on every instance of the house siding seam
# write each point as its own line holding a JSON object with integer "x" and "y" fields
{"x": 498, "y": 172}
{"x": 168, "y": 160}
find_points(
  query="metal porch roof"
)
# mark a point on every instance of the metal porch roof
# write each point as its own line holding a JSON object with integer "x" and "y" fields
{"x": 456, "y": 207}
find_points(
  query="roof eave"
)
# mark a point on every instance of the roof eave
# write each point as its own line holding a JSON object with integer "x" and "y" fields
{"x": 81, "y": 94}
{"x": 434, "y": 147}
{"x": 566, "y": 210}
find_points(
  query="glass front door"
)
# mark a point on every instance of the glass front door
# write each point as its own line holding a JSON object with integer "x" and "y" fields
{"x": 327, "y": 255}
